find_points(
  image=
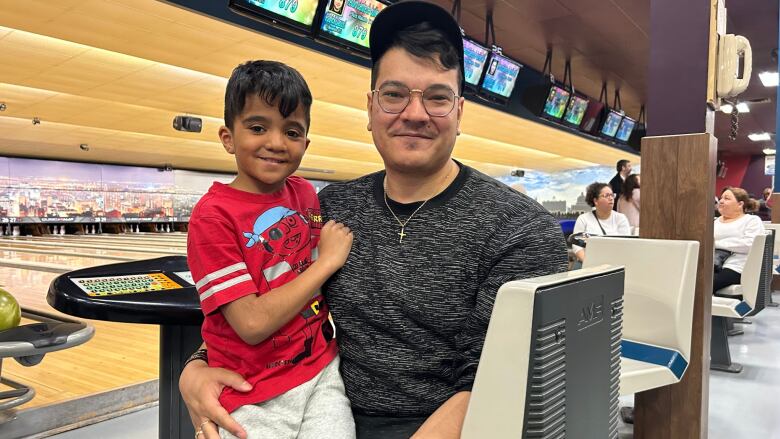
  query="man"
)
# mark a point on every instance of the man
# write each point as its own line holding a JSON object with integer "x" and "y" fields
{"x": 434, "y": 240}
{"x": 765, "y": 205}
{"x": 623, "y": 168}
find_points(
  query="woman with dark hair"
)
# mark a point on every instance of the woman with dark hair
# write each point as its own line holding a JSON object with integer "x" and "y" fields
{"x": 734, "y": 233}
{"x": 602, "y": 220}
{"x": 628, "y": 203}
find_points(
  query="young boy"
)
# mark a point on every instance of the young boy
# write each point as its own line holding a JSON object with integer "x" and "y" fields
{"x": 259, "y": 254}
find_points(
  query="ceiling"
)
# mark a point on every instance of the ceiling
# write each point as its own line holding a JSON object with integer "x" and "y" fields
{"x": 757, "y": 20}
{"x": 606, "y": 40}
{"x": 112, "y": 74}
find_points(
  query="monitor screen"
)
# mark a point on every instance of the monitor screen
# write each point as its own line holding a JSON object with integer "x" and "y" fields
{"x": 349, "y": 21}
{"x": 610, "y": 126}
{"x": 556, "y": 102}
{"x": 501, "y": 75}
{"x": 575, "y": 111}
{"x": 625, "y": 129}
{"x": 474, "y": 58}
{"x": 298, "y": 13}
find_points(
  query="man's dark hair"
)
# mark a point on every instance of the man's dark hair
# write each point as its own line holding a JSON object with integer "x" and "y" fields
{"x": 621, "y": 163}
{"x": 424, "y": 41}
{"x": 593, "y": 191}
{"x": 277, "y": 84}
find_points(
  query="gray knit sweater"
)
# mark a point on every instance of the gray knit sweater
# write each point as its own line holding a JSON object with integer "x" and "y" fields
{"x": 411, "y": 317}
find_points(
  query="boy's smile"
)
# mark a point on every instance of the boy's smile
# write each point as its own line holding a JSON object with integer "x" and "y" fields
{"x": 268, "y": 147}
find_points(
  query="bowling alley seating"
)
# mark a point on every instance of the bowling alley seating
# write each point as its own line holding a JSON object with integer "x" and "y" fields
{"x": 657, "y": 308}
{"x": 775, "y": 260}
{"x": 550, "y": 363}
{"x": 734, "y": 307}
{"x": 28, "y": 344}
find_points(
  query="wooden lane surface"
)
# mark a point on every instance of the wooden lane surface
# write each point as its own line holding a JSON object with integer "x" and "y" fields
{"x": 119, "y": 246}
{"x": 120, "y": 354}
{"x": 63, "y": 249}
{"x": 129, "y": 239}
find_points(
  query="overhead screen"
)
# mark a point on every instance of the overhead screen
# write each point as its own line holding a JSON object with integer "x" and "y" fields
{"x": 610, "y": 127}
{"x": 348, "y": 22}
{"x": 500, "y": 76}
{"x": 575, "y": 111}
{"x": 625, "y": 129}
{"x": 555, "y": 105}
{"x": 295, "y": 13}
{"x": 474, "y": 57}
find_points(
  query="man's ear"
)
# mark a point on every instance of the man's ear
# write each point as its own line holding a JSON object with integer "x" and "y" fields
{"x": 226, "y": 137}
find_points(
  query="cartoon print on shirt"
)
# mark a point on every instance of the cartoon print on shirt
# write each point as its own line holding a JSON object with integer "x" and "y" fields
{"x": 281, "y": 231}
{"x": 285, "y": 233}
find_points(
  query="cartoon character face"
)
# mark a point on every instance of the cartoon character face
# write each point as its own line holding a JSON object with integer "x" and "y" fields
{"x": 281, "y": 231}
{"x": 287, "y": 236}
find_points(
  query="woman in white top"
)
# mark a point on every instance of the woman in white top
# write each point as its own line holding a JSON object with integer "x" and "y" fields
{"x": 628, "y": 204}
{"x": 734, "y": 231}
{"x": 602, "y": 220}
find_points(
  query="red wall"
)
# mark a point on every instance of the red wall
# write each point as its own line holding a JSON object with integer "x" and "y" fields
{"x": 746, "y": 172}
{"x": 736, "y": 166}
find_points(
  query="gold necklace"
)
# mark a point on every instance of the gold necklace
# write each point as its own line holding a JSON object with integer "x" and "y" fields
{"x": 403, "y": 224}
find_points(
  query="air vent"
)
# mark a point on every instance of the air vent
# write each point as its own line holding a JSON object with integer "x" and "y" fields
{"x": 547, "y": 404}
{"x": 616, "y": 335}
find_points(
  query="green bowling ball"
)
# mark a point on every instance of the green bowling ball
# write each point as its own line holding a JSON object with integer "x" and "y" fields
{"x": 10, "y": 313}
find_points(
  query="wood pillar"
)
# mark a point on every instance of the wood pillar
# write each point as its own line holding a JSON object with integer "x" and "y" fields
{"x": 678, "y": 193}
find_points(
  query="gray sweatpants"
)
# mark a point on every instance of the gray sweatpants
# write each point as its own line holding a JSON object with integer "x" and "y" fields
{"x": 317, "y": 409}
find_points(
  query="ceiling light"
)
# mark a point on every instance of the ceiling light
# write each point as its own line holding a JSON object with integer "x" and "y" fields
{"x": 743, "y": 107}
{"x": 2, "y": 106}
{"x": 769, "y": 151}
{"x": 769, "y": 79}
{"x": 726, "y": 108}
{"x": 758, "y": 137}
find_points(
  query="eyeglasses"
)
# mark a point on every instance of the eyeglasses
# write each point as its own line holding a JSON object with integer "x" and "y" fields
{"x": 607, "y": 196}
{"x": 438, "y": 100}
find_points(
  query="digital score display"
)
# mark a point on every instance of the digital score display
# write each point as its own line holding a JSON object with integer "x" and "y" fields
{"x": 349, "y": 21}
{"x": 500, "y": 76}
{"x": 126, "y": 284}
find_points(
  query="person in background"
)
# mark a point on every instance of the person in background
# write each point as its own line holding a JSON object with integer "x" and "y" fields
{"x": 602, "y": 220}
{"x": 734, "y": 232}
{"x": 623, "y": 168}
{"x": 765, "y": 205}
{"x": 628, "y": 203}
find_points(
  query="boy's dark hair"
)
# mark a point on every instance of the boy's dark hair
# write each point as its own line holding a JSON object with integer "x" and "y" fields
{"x": 593, "y": 191}
{"x": 621, "y": 163}
{"x": 425, "y": 41}
{"x": 276, "y": 83}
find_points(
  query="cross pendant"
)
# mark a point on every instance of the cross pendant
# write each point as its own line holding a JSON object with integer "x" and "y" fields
{"x": 401, "y": 234}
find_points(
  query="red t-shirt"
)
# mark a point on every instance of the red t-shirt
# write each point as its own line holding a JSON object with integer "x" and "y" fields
{"x": 241, "y": 243}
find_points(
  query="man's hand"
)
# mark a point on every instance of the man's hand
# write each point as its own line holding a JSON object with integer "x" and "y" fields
{"x": 200, "y": 387}
{"x": 447, "y": 421}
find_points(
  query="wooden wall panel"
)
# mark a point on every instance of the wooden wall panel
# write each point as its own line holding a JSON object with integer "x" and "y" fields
{"x": 678, "y": 181}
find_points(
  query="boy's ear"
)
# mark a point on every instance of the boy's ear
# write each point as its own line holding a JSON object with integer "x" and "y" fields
{"x": 226, "y": 137}
{"x": 308, "y": 141}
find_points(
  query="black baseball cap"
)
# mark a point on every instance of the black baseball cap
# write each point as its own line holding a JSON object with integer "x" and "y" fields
{"x": 403, "y": 14}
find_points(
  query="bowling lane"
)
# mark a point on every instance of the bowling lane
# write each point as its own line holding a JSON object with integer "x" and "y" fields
{"x": 132, "y": 240}
{"x": 74, "y": 262}
{"x": 28, "y": 286}
{"x": 118, "y": 245}
{"x": 113, "y": 255}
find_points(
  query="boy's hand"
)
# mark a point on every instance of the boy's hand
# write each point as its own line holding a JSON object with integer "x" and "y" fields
{"x": 334, "y": 246}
